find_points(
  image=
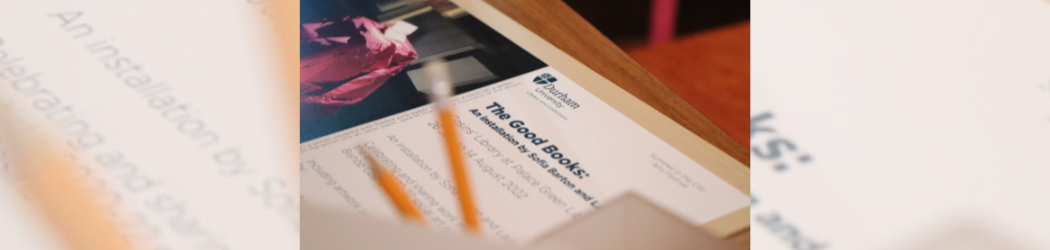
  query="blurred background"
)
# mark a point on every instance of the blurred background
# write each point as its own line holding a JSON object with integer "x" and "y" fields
{"x": 626, "y": 22}
{"x": 699, "y": 48}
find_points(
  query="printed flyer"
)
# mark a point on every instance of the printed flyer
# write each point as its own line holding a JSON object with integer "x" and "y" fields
{"x": 542, "y": 150}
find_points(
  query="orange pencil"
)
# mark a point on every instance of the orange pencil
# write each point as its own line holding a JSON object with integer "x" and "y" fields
{"x": 441, "y": 93}
{"x": 78, "y": 219}
{"x": 397, "y": 195}
{"x": 286, "y": 23}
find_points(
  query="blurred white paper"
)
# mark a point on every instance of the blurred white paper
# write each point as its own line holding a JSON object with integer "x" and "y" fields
{"x": 169, "y": 108}
{"x": 924, "y": 112}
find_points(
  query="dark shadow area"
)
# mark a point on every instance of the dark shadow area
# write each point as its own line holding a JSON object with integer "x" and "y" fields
{"x": 626, "y": 22}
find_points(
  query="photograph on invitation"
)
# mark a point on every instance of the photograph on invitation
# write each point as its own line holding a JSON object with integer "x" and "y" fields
{"x": 542, "y": 147}
{"x": 361, "y": 62}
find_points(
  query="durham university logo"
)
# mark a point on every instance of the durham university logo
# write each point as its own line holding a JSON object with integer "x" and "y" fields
{"x": 544, "y": 79}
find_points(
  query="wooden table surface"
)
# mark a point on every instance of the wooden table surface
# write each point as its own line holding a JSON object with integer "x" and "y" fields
{"x": 554, "y": 21}
{"x": 711, "y": 70}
